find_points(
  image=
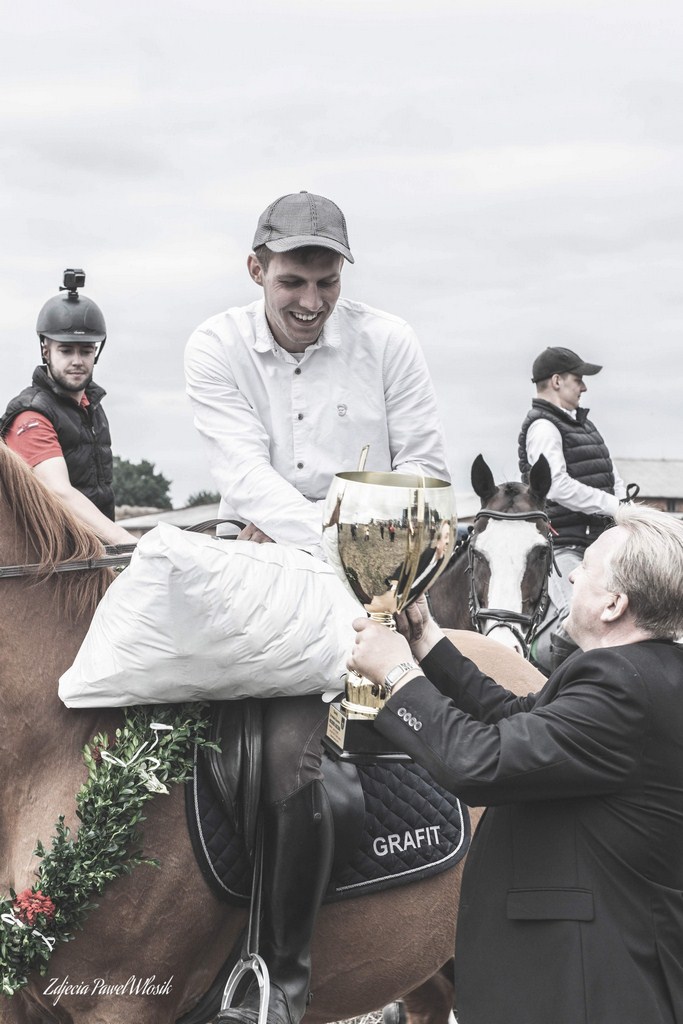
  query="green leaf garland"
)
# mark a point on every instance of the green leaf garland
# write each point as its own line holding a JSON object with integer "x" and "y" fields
{"x": 152, "y": 750}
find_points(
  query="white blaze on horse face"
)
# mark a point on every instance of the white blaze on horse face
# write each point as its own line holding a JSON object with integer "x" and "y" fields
{"x": 506, "y": 545}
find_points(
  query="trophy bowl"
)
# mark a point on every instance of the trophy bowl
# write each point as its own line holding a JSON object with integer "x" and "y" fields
{"x": 388, "y": 536}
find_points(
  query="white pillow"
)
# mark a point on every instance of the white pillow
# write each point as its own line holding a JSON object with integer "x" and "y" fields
{"x": 193, "y": 618}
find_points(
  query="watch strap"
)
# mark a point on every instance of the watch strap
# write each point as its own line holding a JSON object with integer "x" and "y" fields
{"x": 395, "y": 675}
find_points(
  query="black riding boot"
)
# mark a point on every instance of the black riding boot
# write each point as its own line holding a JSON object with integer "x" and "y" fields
{"x": 560, "y": 649}
{"x": 299, "y": 845}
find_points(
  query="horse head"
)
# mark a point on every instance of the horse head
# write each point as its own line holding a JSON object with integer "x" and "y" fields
{"x": 510, "y": 555}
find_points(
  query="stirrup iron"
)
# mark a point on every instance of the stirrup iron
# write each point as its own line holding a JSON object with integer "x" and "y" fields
{"x": 250, "y": 960}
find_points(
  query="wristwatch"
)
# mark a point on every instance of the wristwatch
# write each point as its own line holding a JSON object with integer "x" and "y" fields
{"x": 395, "y": 675}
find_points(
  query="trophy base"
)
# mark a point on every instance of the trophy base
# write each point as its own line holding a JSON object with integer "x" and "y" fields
{"x": 356, "y": 739}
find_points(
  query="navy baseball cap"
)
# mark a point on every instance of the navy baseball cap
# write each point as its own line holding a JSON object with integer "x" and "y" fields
{"x": 561, "y": 360}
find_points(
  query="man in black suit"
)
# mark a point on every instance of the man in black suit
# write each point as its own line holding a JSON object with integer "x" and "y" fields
{"x": 572, "y": 897}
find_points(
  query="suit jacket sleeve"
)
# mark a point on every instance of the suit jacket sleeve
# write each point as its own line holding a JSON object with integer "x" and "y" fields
{"x": 460, "y": 679}
{"x": 583, "y": 736}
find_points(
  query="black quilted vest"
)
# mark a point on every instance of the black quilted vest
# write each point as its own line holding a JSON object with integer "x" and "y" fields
{"x": 587, "y": 459}
{"x": 83, "y": 434}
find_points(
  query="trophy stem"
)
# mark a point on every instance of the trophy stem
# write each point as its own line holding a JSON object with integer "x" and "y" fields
{"x": 384, "y": 618}
{"x": 362, "y": 698}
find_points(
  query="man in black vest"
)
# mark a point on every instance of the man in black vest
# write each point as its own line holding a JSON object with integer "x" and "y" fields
{"x": 586, "y": 487}
{"x": 57, "y": 424}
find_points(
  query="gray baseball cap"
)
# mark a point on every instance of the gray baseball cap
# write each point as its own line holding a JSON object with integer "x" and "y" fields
{"x": 300, "y": 219}
{"x": 561, "y": 360}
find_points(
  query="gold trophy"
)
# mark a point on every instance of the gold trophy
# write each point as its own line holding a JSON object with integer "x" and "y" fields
{"x": 388, "y": 536}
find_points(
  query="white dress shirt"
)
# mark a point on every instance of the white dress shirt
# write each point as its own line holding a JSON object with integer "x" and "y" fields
{"x": 543, "y": 438}
{"x": 277, "y": 427}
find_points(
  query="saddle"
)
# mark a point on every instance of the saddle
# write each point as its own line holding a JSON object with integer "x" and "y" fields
{"x": 393, "y": 824}
{"x": 233, "y": 765}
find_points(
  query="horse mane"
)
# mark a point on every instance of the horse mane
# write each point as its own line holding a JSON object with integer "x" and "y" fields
{"x": 52, "y": 535}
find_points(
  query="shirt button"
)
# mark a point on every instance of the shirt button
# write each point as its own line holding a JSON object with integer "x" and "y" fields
{"x": 300, "y": 416}
{"x": 299, "y": 465}
{"x": 298, "y": 370}
{"x": 342, "y": 410}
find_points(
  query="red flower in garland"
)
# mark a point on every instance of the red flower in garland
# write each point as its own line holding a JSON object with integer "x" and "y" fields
{"x": 96, "y": 753}
{"x": 97, "y": 748}
{"x": 28, "y": 904}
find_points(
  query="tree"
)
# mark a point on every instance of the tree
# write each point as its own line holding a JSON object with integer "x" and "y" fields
{"x": 203, "y": 498}
{"x": 136, "y": 483}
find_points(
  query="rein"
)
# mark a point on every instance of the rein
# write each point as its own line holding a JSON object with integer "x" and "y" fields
{"x": 503, "y": 617}
{"x": 117, "y": 556}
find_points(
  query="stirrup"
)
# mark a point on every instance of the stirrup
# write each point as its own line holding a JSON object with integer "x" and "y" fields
{"x": 250, "y": 960}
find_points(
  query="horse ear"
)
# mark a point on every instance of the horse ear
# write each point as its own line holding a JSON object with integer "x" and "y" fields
{"x": 483, "y": 483}
{"x": 540, "y": 478}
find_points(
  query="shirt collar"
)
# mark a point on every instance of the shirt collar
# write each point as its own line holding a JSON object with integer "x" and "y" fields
{"x": 265, "y": 342}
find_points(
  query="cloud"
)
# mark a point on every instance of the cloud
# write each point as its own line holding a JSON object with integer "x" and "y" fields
{"x": 510, "y": 174}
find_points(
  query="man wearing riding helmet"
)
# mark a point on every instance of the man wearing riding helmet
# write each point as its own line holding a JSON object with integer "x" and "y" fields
{"x": 57, "y": 424}
{"x": 285, "y": 393}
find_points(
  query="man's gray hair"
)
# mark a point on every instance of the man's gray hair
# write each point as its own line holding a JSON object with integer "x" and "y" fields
{"x": 649, "y": 569}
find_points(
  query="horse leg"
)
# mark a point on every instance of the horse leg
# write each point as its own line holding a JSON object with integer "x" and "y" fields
{"x": 21, "y": 1008}
{"x": 430, "y": 1003}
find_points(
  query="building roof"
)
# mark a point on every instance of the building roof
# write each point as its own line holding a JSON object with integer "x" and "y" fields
{"x": 657, "y": 478}
{"x": 181, "y": 517}
{"x": 467, "y": 506}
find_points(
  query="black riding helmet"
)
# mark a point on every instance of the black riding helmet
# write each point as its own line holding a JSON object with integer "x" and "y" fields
{"x": 72, "y": 318}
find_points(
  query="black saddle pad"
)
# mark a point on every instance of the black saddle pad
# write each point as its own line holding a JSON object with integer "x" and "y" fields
{"x": 413, "y": 829}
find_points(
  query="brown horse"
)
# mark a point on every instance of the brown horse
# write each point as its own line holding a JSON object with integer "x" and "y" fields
{"x": 497, "y": 582}
{"x": 163, "y": 924}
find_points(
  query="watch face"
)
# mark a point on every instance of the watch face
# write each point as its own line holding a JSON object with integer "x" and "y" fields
{"x": 396, "y": 673}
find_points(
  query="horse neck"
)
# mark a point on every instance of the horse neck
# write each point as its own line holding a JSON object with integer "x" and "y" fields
{"x": 38, "y": 644}
{"x": 41, "y": 761}
{"x": 41, "y": 630}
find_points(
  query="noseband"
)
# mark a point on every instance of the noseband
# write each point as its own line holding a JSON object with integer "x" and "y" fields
{"x": 523, "y": 627}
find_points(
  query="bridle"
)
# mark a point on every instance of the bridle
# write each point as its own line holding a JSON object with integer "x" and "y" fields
{"x": 523, "y": 627}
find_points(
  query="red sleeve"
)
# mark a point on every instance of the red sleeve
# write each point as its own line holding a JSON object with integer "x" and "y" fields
{"x": 32, "y": 436}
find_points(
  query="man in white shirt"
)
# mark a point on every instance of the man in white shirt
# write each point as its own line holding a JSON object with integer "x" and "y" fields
{"x": 586, "y": 487}
{"x": 285, "y": 393}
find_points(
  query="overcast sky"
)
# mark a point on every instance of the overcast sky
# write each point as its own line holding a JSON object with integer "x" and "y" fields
{"x": 511, "y": 172}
